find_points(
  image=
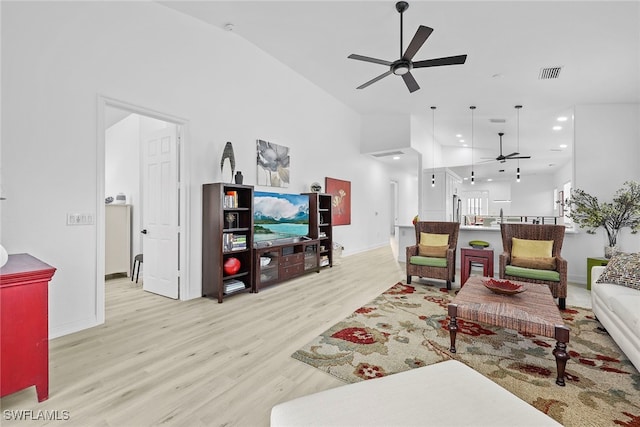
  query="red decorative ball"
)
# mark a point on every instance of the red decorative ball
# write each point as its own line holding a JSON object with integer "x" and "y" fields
{"x": 231, "y": 266}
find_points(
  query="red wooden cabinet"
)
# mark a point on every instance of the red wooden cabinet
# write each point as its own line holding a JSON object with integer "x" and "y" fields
{"x": 24, "y": 325}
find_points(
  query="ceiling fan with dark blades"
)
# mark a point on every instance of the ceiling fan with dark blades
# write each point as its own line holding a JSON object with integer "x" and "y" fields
{"x": 502, "y": 158}
{"x": 404, "y": 65}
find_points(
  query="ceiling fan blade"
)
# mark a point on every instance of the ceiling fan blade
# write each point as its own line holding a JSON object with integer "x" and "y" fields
{"x": 520, "y": 157}
{"x": 511, "y": 155}
{"x": 421, "y": 36}
{"x": 369, "y": 59}
{"x": 372, "y": 81}
{"x": 447, "y": 60}
{"x": 411, "y": 83}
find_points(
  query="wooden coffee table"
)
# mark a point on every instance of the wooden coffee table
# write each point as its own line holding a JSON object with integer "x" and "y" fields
{"x": 532, "y": 311}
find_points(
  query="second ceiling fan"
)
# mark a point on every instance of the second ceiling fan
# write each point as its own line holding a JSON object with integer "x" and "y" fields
{"x": 502, "y": 158}
{"x": 404, "y": 65}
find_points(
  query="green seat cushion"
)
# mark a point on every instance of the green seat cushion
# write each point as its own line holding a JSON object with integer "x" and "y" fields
{"x": 428, "y": 261}
{"x": 532, "y": 273}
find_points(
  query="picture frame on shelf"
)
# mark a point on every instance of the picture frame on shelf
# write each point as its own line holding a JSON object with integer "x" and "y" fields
{"x": 231, "y": 220}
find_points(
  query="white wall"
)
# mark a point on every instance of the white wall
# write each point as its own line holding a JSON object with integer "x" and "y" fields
{"x": 607, "y": 153}
{"x": 532, "y": 196}
{"x": 57, "y": 57}
{"x": 383, "y": 132}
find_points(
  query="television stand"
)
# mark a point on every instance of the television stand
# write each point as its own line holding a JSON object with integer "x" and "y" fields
{"x": 285, "y": 260}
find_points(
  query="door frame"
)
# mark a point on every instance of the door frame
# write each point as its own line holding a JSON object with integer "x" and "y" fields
{"x": 183, "y": 196}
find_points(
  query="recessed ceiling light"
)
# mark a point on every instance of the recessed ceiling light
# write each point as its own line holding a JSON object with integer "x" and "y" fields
{"x": 465, "y": 145}
{"x": 562, "y": 119}
{"x": 489, "y": 179}
{"x": 557, "y": 128}
{"x": 465, "y": 179}
{"x": 462, "y": 140}
{"x": 458, "y": 136}
{"x": 563, "y": 145}
{"x": 396, "y": 157}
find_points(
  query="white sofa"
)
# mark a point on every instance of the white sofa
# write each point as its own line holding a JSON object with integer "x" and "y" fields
{"x": 616, "y": 307}
{"x": 444, "y": 394}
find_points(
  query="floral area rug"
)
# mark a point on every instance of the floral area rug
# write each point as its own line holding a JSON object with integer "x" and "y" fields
{"x": 407, "y": 327}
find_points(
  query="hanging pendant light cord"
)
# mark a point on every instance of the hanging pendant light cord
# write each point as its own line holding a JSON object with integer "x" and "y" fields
{"x": 472, "y": 136}
{"x": 518, "y": 107}
{"x": 433, "y": 147}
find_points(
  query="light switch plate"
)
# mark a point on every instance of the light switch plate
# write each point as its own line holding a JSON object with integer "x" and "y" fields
{"x": 80, "y": 219}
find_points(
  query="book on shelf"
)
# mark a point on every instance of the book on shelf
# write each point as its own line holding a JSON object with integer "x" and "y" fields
{"x": 227, "y": 241}
{"x": 234, "y": 242}
{"x": 233, "y": 285}
{"x": 231, "y": 199}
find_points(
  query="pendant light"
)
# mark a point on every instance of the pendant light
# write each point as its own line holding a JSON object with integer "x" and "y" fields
{"x": 473, "y": 178}
{"x": 433, "y": 147}
{"x": 518, "y": 107}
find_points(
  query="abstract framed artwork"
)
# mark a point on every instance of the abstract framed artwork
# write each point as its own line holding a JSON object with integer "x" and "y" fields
{"x": 340, "y": 200}
{"x": 273, "y": 164}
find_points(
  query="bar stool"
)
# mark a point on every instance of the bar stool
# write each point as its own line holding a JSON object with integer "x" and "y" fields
{"x": 137, "y": 260}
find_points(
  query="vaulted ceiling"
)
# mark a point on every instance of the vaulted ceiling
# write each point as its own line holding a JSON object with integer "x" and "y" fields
{"x": 596, "y": 44}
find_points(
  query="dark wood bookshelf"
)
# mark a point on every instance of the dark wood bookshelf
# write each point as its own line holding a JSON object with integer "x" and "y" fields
{"x": 227, "y": 231}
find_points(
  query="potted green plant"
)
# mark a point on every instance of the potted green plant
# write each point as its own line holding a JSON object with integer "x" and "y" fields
{"x": 587, "y": 212}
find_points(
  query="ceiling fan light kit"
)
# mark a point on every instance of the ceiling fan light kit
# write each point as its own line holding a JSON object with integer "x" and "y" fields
{"x": 403, "y": 66}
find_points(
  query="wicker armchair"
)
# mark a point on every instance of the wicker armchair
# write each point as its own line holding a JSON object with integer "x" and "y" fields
{"x": 447, "y": 273}
{"x": 536, "y": 232}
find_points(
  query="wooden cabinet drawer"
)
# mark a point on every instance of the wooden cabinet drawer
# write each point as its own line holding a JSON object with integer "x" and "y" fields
{"x": 292, "y": 259}
{"x": 292, "y": 270}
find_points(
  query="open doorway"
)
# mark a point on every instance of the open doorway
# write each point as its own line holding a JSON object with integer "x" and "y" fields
{"x": 140, "y": 152}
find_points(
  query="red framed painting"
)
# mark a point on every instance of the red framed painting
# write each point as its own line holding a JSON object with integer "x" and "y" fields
{"x": 340, "y": 200}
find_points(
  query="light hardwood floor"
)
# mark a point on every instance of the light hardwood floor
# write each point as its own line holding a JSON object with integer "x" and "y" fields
{"x": 159, "y": 361}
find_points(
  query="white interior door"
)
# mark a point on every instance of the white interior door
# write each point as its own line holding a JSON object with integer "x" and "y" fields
{"x": 160, "y": 212}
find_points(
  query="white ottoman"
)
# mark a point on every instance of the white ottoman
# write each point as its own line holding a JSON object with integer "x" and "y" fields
{"x": 444, "y": 394}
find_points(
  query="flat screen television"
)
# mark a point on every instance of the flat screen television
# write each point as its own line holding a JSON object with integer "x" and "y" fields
{"x": 279, "y": 216}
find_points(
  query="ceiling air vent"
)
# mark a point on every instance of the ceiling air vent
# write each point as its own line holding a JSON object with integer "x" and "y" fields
{"x": 497, "y": 120}
{"x": 388, "y": 153}
{"x": 549, "y": 73}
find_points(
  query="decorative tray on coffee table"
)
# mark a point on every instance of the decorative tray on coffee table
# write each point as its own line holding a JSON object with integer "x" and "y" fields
{"x": 503, "y": 287}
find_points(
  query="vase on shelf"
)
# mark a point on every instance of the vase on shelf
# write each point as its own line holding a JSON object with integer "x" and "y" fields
{"x": 239, "y": 178}
{"x": 610, "y": 251}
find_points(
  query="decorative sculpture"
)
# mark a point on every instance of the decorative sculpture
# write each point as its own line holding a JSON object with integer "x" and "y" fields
{"x": 227, "y": 153}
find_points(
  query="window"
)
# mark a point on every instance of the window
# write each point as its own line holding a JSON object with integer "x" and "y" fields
{"x": 476, "y": 202}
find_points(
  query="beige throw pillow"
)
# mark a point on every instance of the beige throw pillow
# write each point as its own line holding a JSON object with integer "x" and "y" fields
{"x": 538, "y": 263}
{"x": 433, "y": 251}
